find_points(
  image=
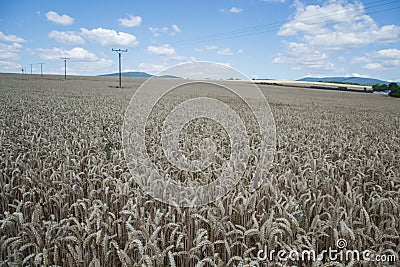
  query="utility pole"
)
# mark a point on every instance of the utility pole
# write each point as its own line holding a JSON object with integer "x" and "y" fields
{"x": 65, "y": 66}
{"x": 31, "y": 67}
{"x": 41, "y": 69}
{"x": 119, "y": 51}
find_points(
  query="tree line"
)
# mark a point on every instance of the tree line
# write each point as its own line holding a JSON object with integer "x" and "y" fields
{"x": 393, "y": 87}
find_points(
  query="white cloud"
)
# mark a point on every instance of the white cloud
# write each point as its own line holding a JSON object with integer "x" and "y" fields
{"x": 337, "y": 40}
{"x": 225, "y": 52}
{"x": 380, "y": 60}
{"x": 357, "y": 60}
{"x": 10, "y": 51}
{"x": 391, "y": 53}
{"x": 337, "y": 25}
{"x": 82, "y": 61}
{"x": 305, "y": 57}
{"x": 176, "y": 28}
{"x": 165, "y": 30}
{"x": 219, "y": 51}
{"x": 101, "y": 65}
{"x": 270, "y": 1}
{"x": 374, "y": 66}
{"x": 151, "y": 68}
{"x": 59, "y": 19}
{"x": 10, "y": 38}
{"x": 8, "y": 65}
{"x": 211, "y": 47}
{"x": 206, "y": 48}
{"x": 66, "y": 37}
{"x": 76, "y": 53}
{"x": 162, "y": 50}
{"x": 240, "y": 51}
{"x": 355, "y": 74}
{"x": 177, "y": 58}
{"x": 156, "y": 31}
{"x": 131, "y": 21}
{"x": 235, "y": 10}
{"x": 321, "y": 30}
{"x": 107, "y": 37}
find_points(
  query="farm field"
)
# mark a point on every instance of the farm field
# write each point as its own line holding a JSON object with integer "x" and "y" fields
{"x": 68, "y": 199}
{"x": 305, "y": 84}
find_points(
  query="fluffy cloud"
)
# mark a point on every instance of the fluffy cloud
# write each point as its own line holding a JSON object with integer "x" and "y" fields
{"x": 391, "y": 53}
{"x": 321, "y": 30}
{"x": 337, "y": 25}
{"x": 235, "y": 10}
{"x": 152, "y": 68}
{"x": 225, "y": 52}
{"x": 82, "y": 61}
{"x": 76, "y": 53}
{"x": 165, "y": 30}
{"x": 206, "y": 48}
{"x": 108, "y": 37}
{"x": 211, "y": 47}
{"x": 11, "y": 38}
{"x": 162, "y": 50}
{"x": 156, "y": 31}
{"x": 66, "y": 37}
{"x": 59, "y": 19}
{"x": 131, "y": 21}
{"x": 305, "y": 57}
{"x": 380, "y": 60}
{"x": 374, "y": 66}
{"x": 219, "y": 51}
{"x": 10, "y": 51}
{"x": 270, "y": 1}
{"x": 176, "y": 28}
{"x": 355, "y": 74}
{"x": 101, "y": 65}
{"x": 8, "y": 65}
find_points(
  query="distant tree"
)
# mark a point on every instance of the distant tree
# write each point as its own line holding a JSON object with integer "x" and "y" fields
{"x": 379, "y": 87}
{"x": 395, "y": 93}
{"x": 393, "y": 86}
{"x": 394, "y": 90}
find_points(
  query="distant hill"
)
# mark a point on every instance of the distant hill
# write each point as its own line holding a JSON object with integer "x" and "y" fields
{"x": 354, "y": 80}
{"x": 138, "y": 74}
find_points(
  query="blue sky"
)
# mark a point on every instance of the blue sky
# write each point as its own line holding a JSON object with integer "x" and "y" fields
{"x": 278, "y": 39}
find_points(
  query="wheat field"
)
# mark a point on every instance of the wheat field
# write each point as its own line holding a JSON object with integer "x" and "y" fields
{"x": 68, "y": 199}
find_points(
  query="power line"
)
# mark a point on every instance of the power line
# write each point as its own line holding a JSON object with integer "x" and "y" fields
{"x": 262, "y": 28}
{"x": 65, "y": 66}
{"x": 119, "y": 51}
{"x": 277, "y": 25}
{"x": 270, "y": 29}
